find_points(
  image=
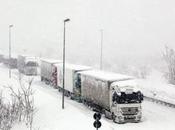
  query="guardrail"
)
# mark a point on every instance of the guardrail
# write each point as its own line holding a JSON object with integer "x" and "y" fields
{"x": 159, "y": 101}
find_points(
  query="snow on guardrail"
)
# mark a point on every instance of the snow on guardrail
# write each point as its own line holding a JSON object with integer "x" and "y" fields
{"x": 159, "y": 101}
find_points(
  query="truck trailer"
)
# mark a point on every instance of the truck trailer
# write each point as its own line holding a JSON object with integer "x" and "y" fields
{"x": 115, "y": 95}
{"x": 70, "y": 77}
{"x": 27, "y": 65}
{"x": 47, "y": 71}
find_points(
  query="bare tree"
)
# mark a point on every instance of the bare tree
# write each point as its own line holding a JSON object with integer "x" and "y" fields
{"x": 20, "y": 108}
{"x": 169, "y": 57}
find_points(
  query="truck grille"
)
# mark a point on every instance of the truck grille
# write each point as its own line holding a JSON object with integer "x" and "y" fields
{"x": 129, "y": 118}
{"x": 129, "y": 110}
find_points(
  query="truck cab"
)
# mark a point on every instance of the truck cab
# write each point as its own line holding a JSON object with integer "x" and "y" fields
{"x": 125, "y": 101}
{"x": 31, "y": 66}
{"x": 27, "y": 65}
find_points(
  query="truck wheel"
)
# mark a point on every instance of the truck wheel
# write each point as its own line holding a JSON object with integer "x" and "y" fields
{"x": 72, "y": 97}
{"x": 118, "y": 122}
{"x": 68, "y": 94}
{"x": 113, "y": 118}
{"x": 47, "y": 82}
{"x": 84, "y": 102}
{"x": 108, "y": 114}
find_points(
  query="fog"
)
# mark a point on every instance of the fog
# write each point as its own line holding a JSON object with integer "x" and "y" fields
{"x": 135, "y": 31}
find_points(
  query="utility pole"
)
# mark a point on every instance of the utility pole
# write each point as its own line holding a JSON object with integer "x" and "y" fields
{"x": 66, "y": 20}
{"x": 101, "y": 50}
{"x": 10, "y": 26}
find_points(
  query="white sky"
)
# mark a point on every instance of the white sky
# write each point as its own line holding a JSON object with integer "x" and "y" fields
{"x": 132, "y": 28}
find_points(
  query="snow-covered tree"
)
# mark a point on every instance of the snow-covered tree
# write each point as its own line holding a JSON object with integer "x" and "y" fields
{"x": 169, "y": 57}
{"x": 19, "y": 108}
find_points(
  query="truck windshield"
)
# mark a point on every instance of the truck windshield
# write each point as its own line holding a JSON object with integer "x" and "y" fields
{"x": 31, "y": 63}
{"x": 135, "y": 97}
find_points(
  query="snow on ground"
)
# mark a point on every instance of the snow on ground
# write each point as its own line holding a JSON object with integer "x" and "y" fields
{"x": 76, "y": 116}
{"x": 157, "y": 87}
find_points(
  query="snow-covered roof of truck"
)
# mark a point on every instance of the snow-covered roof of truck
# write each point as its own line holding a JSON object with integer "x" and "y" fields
{"x": 125, "y": 83}
{"x": 50, "y": 60}
{"x": 25, "y": 55}
{"x": 73, "y": 66}
{"x": 12, "y": 55}
{"x": 106, "y": 76}
{"x": 29, "y": 59}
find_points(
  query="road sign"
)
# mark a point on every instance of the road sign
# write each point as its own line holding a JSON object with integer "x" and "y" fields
{"x": 97, "y": 116}
{"x": 97, "y": 124}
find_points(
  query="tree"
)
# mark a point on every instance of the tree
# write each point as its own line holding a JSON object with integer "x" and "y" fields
{"x": 169, "y": 57}
{"x": 19, "y": 108}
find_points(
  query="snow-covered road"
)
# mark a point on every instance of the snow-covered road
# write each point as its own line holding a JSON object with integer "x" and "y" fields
{"x": 76, "y": 116}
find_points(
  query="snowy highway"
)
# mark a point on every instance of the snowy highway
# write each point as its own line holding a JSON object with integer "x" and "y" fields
{"x": 76, "y": 116}
{"x": 115, "y": 57}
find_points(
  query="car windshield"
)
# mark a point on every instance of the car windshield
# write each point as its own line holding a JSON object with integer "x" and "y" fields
{"x": 135, "y": 97}
{"x": 31, "y": 63}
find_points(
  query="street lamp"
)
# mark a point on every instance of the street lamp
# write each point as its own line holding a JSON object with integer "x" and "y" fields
{"x": 101, "y": 52}
{"x": 66, "y": 20}
{"x": 10, "y": 26}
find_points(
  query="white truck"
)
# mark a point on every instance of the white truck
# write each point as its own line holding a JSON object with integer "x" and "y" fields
{"x": 115, "y": 95}
{"x": 47, "y": 71}
{"x": 70, "y": 74}
{"x": 27, "y": 65}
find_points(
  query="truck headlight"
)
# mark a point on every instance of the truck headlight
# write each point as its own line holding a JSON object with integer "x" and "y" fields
{"x": 120, "y": 118}
{"x": 138, "y": 117}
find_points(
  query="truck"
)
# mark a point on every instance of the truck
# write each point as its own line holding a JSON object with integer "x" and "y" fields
{"x": 10, "y": 62}
{"x": 13, "y": 62}
{"x": 114, "y": 95}
{"x": 27, "y": 65}
{"x": 70, "y": 74}
{"x": 47, "y": 70}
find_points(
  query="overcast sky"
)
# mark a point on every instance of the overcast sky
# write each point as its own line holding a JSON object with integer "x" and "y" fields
{"x": 132, "y": 28}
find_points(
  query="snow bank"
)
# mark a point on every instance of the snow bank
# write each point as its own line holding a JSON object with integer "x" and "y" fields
{"x": 155, "y": 86}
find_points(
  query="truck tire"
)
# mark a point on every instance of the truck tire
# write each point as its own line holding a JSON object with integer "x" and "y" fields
{"x": 113, "y": 118}
{"x": 107, "y": 114}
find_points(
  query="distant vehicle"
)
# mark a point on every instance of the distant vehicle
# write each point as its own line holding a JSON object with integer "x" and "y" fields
{"x": 70, "y": 77}
{"x": 5, "y": 59}
{"x": 110, "y": 93}
{"x": 47, "y": 72}
{"x": 27, "y": 65}
{"x": 12, "y": 62}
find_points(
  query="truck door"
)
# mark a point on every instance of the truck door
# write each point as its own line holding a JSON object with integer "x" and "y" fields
{"x": 77, "y": 86}
{"x": 54, "y": 76}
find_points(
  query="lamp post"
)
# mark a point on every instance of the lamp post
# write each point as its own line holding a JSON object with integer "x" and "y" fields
{"x": 101, "y": 50}
{"x": 10, "y": 26}
{"x": 66, "y": 20}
